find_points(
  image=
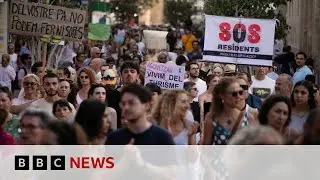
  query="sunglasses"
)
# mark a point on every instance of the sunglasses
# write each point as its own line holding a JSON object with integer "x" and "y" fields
{"x": 236, "y": 93}
{"x": 244, "y": 87}
{"x": 108, "y": 78}
{"x": 84, "y": 77}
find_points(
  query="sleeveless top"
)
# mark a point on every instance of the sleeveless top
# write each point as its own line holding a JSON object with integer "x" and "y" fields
{"x": 221, "y": 134}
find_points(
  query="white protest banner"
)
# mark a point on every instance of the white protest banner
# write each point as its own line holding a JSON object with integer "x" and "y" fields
{"x": 155, "y": 39}
{"x": 166, "y": 76}
{"x": 35, "y": 19}
{"x": 239, "y": 40}
{"x": 3, "y": 28}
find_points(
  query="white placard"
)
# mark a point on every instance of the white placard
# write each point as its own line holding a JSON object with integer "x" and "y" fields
{"x": 155, "y": 39}
{"x": 166, "y": 76}
{"x": 239, "y": 40}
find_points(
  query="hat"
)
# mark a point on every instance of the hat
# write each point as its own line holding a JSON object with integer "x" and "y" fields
{"x": 109, "y": 77}
{"x": 230, "y": 69}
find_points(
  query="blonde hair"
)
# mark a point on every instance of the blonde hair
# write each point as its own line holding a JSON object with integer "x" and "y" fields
{"x": 165, "y": 107}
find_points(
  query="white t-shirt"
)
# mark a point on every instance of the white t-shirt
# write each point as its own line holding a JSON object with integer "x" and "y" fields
{"x": 46, "y": 106}
{"x": 201, "y": 86}
{"x": 263, "y": 89}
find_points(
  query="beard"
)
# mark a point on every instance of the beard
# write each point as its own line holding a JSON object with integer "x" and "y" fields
{"x": 51, "y": 92}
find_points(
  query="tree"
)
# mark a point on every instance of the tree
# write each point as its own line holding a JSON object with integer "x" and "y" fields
{"x": 126, "y": 9}
{"x": 262, "y": 9}
{"x": 177, "y": 11}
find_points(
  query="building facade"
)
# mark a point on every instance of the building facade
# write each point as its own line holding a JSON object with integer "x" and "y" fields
{"x": 153, "y": 15}
{"x": 303, "y": 17}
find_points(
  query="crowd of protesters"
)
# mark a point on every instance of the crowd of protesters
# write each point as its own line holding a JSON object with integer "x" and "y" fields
{"x": 101, "y": 98}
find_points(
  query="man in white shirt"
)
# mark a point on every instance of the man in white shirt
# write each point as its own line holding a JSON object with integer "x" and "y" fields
{"x": 50, "y": 85}
{"x": 262, "y": 86}
{"x": 193, "y": 70}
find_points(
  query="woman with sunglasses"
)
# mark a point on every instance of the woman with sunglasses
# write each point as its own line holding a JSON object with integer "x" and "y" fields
{"x": 85, "y": 79}
{"x": 302, "y": 100}
{"x": 229, "y": 113}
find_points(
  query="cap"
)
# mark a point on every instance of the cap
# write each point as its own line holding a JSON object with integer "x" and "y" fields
{"x": 110, "y": 77}
{"x": 230, "y": 69}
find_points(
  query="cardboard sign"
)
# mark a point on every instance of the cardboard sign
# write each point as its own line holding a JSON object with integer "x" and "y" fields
{"x": 166, "y": 76}
{"x": 34, "y": 19}
{"x": 155, "y": 39}
{"x": 239, "y": 40}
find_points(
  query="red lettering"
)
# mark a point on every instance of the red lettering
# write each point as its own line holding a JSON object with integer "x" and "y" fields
{"x": 85, "y": 162}
{"x": 97, "y": 161}
{"x": 110, "y": 162}
{"x": 75, "y": 162}
{"x": 254, "y": 36}
{"x": 225, "y": 34}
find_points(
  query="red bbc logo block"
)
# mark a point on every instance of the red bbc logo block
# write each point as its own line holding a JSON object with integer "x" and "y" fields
{"x": 39, "y": 162}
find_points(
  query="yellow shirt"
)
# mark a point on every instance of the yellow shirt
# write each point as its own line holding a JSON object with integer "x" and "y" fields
{"x": 187, "y": 42}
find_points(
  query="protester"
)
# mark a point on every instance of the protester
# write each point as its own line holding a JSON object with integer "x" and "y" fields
{"x": 31, "y": 86}
{"x": 93, "y": 123}
{"x": 226, "y": 116}
{"x": 302, "y": 99}
{"x": 5, "y": 137}
{"x": 276, "y": 113}
{"x": 205, "y": 99}
{"x": 129, "y": 74}
{"x": 302, "y": 69}
{"x": 98, "y": 92}
{"x": 193, "y": 71}
{"x": 62, "y": 110}
{"x": 12, "y": 120}
{"x": 32, "y": 125}
{"x": 85, "y": 79}
{"x": 192, "y": 91}
{"x": 284, "y": 85}
{"x": 135, "y": 104}
{"x": 8, "y": 74}
{"x": 64, "y": 89}
{"x": 64, "y": 133}
{"x": 253, "y": 101}
{"x": 262, "y": 86}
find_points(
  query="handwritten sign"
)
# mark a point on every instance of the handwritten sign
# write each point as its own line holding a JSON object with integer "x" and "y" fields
{"x": 166, "y": 76}
{"x": 34, "y": 19}
{"x": 239, "y": 40}
{"x": 155, "y": 39}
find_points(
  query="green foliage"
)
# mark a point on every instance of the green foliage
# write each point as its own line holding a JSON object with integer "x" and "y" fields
{"x": 177, "y": 11}
{"x": 261, "y": 9}
{"x": 125, "y": 9}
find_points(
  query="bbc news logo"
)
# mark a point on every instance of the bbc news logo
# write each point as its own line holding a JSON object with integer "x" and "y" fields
{"x": 59, "y": 162}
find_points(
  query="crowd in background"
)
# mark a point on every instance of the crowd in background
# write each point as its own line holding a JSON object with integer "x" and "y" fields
{"x": 101, "y": 97}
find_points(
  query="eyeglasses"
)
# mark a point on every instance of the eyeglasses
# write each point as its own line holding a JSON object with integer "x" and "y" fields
{"x": 84, "y": 77}
{"x": 236, "y": 93}
{"x": 244, "y": 87}
{"x": 29, "y": 84}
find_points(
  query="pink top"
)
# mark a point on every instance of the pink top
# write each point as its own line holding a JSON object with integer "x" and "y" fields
{"x": 6, "y": 138}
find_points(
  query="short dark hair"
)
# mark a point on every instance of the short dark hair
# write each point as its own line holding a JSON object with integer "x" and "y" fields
{"x": 302, "y": 53}
{"x": 130, "y": 65}
{"x": 269, "y": 103}
{"x": 65, "y": 71}
{"x": 35, "y": 67}
{"x": 188, "y": 66}
{"x": 195, "y": 41}
{"x": 50, "y": 75}
{"x": 188, "y": 85}
{"x": 6, "y": 91}
{"x": 143, "y": 94}
{"x": 93, "y": 87}
{"x": 311, "y": 78}
{"x": 181, "y": 59}
{"x": 154, "y": 88}
{"x": 60, "y": 103}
